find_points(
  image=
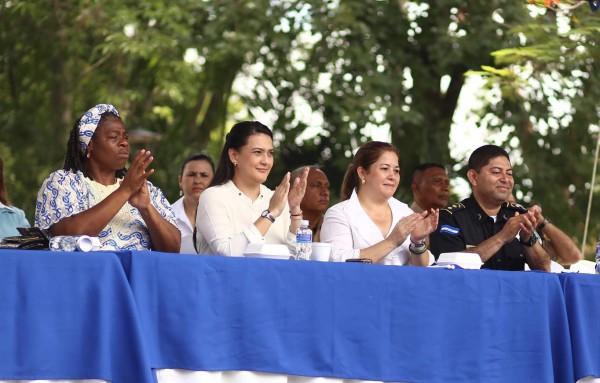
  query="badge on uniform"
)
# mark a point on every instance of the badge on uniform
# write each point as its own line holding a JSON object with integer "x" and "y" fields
{"x": 449, "y": 229}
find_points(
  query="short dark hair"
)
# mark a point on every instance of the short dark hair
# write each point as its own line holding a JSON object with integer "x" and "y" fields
{"x": 366, "y": 156}
{"x": 419, "y": 169}
{"x": 197, "y": 157}
{"x": 298, "y": 172}
{"x": 483, "y": 154}
{"x": 236, "y": 138}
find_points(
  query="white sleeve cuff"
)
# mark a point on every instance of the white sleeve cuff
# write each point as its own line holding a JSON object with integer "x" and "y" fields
{"x": 253, "y": 235}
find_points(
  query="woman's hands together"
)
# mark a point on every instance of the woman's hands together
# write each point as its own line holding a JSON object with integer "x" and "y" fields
{"x": 417, "y": 225}
{"x": 297, "y": 191}
{"x": 426, "y": 226}
{"x": 292, "y": 194}
{"x": 279, "y": 198}
{"x": 134, "y": 182}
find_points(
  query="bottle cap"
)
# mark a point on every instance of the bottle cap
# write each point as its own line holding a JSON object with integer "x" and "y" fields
{"x": 84, "y": 243}
{"x": 304, "y": 222}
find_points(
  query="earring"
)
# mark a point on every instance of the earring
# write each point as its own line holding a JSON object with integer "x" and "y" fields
{"x": 234, "y": 163}
{"x": 87, "y": 155}
{"x": 362, "y": 180}
{"x": 181, "y": 193}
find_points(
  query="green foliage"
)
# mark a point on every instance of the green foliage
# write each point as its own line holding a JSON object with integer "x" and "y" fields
{"x": 550, "y": 92}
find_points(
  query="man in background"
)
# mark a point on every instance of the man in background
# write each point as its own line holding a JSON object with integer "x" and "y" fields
{"x": 430, "y": 187}
{"x": 316, "y": 198}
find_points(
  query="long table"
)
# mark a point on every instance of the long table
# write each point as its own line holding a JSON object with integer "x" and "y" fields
{"x": 121, "y": 316}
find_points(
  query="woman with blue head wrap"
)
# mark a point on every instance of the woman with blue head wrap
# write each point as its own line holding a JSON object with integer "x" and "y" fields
{"x": 94, "y": 194}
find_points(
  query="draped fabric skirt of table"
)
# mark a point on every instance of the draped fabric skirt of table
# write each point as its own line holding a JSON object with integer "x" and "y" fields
{"x": 350, "y": 321}
{"x": 68, "y": 316}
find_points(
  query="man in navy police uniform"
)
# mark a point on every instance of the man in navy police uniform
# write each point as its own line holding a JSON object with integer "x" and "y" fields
{"x": 502, "y": 233}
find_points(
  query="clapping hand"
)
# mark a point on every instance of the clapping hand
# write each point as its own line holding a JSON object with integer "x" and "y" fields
{"x": 134, "y": 182}
{"x": 297, "y": 190}
{"x": 404, "y": 228}
{"x": 524, "y": 223}
{"x": 537, "y": 214}
{"x": 425, "y": 226}
{"x": 527, "y": 225}
{"x": 279, "y": 198}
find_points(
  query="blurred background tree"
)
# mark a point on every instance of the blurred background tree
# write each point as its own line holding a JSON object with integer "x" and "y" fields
{"x": 325, "y": 75}
{"x": 547, "y": 94}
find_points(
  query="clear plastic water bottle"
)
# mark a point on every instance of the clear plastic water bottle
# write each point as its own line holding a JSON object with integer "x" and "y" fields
{"x": 598, "y": 257}
{"x": 74, "y": 243}
{"x": 303, "y": 241}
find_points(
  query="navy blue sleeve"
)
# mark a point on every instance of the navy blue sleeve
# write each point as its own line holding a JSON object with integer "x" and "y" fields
{"x": 448, "y": 237}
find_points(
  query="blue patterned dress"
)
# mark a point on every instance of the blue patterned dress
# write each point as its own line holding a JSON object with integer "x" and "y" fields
{"x": 65, "y": 193}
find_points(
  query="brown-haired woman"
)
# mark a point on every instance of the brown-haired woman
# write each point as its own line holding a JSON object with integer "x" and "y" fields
{"x": 371, "y": 223}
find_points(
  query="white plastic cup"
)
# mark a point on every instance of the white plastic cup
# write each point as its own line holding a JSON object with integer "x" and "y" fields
{"x": 321, "y": 251}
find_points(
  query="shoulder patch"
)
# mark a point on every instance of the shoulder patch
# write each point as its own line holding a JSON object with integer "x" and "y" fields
{"x": 449, "y": 230}
{"x": 515, "y": 207}
{"x": 454, "y": 208}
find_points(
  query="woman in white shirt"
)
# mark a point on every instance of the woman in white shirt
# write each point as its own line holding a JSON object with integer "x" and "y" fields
{"x": 370, "y": 222}
{"x": 196, "y": 175}
{"x": 238, "y": 209}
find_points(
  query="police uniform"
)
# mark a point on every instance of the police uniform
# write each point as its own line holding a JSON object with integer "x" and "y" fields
{"x": 465, "y": 225}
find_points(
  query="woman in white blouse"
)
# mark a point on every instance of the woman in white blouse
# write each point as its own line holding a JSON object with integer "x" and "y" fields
{"x": 238, "y": 209}
{"x": 196, "y": 174}
{"x": 370, "y": 222}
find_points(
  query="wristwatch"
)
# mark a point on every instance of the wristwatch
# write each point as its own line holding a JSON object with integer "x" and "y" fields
{"x": 532, "y": 241}
{"x": 543, "y": 224}
{"x": 267, "y": 214}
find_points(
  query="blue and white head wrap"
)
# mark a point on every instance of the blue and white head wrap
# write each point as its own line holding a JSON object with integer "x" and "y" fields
{"x": 89, "y": 122}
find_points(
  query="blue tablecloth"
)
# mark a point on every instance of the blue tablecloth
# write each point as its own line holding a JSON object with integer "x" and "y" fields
{"x": 354, "y": 321}
{"x": 68, "y": 316}
{"x": 582, "y": 299}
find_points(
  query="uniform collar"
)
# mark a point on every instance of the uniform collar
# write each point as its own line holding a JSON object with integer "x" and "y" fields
{"x": 480, "y": 215}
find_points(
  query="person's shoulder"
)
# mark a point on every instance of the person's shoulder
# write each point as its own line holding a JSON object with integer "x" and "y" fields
{"x": 12, "y": 209}
{"x": 514, "y": 207}
{"x": 177, "y": 204}
{"x": 215, "y": 193}
{"x": 337, "y": 208}
{"x": 63, "y": 176}
{"x": 18, "y": 211}
{"x": 455, "y": 208}
{"x": 397, "y": 203}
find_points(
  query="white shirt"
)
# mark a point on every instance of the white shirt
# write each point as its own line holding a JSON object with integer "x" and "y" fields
{"x": 348, "y": 228}
{"x": 225, "y": 221}
{"x": 185, "y": 227}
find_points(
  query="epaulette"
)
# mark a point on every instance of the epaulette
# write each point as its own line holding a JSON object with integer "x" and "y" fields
{"x": 515, "y": 207}
{"x": 454, "y": 208}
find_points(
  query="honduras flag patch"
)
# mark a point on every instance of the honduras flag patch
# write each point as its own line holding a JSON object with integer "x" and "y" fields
{"x": 449, "y": 230}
